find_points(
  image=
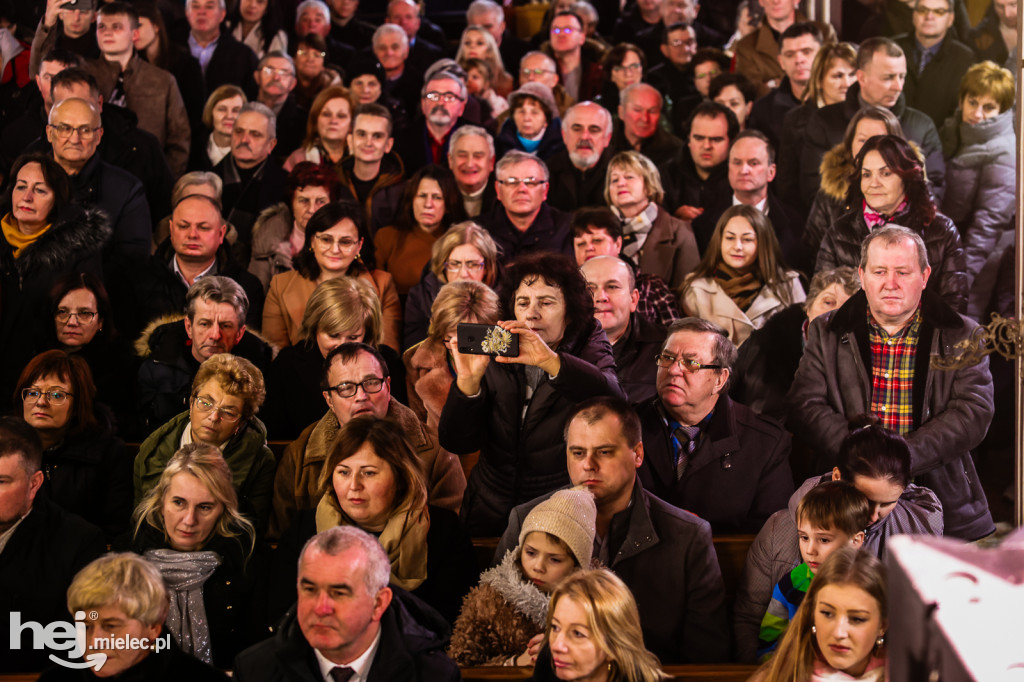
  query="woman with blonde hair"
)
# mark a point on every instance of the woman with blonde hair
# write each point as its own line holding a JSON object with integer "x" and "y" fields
{"x": 658, "y": 243}
{"x": 478, "y": 43}
{"x": 465, "y": 252}
{"x": 839, "y": 630}
{"x": 742, "y": 280}
{"x": 593, "y": 633}
{"x": 189, "y": 525}
{"x": 342, "y": 310}
{"x": 128, "y": 596}
{"x": 327, "y": 129}
{"x": 226, "y": 393}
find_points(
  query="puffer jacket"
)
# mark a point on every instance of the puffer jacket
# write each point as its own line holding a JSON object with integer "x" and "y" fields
{"x": 952, "y": 409}
{"x": 271, "y": 250}
{"x": 498, "y": 617}
{"x": 522, "y": 450}
{"x": 841, "y": 246}
{"x": 251, "y": 461}
{"x": 981, "y": 171}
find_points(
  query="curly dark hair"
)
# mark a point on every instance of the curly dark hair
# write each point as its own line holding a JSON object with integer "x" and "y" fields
{"x": 324, "y": 219}
{"x": 902, "y": 160}
{"x": 454, "y": 210}
{"x": 309, "y": 174}
{"x": 555, "y": 270}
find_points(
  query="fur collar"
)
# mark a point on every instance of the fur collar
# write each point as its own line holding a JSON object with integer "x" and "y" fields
{"x": 72, "y": 237}
{"x": 142, "y": 344}
{"x": 853, "y": 313}
{"x": 836, "y": 167}
{"x": 507, "y": 579}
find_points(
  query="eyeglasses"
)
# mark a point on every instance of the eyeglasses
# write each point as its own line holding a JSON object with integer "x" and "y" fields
{"x": 347, "y": 389}
{"x": 280, "y": 73}
{"x": 536, "y": 72}
{"x": 470, "y": 265}
{"x": 55, "y": 397}
{"x": 709, "y": 74}
{"x": 515, "y": 182}
{"x": 64, "y": 131}
{"x": 567, "y": 31}
{"x": 446, "y": 97}
{"x": 937, "y": 11}
{"x": 64, "y": 315}
{"x": 305, "y": 52}
{"x": 327, "y": 242}
{"x": 679, "y": 42}
{"x": 619, "y": 68}
{"x": 692, "y": 366}
{"x": 205, "y": 405}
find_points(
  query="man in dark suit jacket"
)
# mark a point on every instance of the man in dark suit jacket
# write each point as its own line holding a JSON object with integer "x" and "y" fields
{"x": 578, "y": 171}
{"x": 40, "y": 552}
{"x": 663, "y": 554}
{"x": 224, "y": 60}
{"x": 348, "y": 621}
{"x": 704, "y": 452}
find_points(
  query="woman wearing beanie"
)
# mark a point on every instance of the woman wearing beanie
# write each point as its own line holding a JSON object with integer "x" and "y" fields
{"x": 509, "y": 606}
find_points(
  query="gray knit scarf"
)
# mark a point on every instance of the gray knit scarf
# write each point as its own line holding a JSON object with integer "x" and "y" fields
{"x": 185, "y": 573}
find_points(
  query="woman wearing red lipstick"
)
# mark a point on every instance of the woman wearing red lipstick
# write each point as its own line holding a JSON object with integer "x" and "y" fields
{"x": 509, "y": 607}
{"x": 838, "y": 634}
{"x": 189, "y": 525}
{"x": 741, "y": 281}
{"x": 593, "y": 633}
{"x": 430, "y": 204}
{"x": 373, "y": 480}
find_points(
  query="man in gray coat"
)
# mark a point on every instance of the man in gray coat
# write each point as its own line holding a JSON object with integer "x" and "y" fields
{"x": 663, "y": 554}
{"x": 879, "y": 354}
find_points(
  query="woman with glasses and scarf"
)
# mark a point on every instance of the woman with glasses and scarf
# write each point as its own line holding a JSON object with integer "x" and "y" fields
{"x": 84, "y": 464}
{"x": 190, "y": 527}
{"x": 226, "y": 393}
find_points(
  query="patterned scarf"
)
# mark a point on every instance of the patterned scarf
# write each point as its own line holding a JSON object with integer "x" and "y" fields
{"x": 635, "y": 231}
{"x": 185, "y": 573}
{"x": 741, "y": 287}
{"x": 875, "y": 219}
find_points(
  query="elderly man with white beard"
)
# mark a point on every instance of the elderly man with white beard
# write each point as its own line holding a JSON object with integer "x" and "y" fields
{"x": 578, "y": 171}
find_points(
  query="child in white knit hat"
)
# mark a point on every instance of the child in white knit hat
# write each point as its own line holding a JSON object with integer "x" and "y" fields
{"x": 509, "y": 606}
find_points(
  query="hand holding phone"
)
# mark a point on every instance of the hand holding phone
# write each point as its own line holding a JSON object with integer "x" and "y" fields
{"x": 487, "y": 339}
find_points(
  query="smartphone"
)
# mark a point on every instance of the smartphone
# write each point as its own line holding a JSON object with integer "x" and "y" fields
{"x": 487, "y": 339}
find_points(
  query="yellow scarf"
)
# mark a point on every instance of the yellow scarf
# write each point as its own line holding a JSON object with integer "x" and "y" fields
{"x": 18, "y": 240}
{"x": 404, "y": 538}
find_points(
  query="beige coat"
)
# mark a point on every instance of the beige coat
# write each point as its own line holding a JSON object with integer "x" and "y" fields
{"x": 290, "y": 291}
{"x": 704, "y": 298}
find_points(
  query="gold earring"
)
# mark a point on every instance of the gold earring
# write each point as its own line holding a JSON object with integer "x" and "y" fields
{"x": 881, "y": 640}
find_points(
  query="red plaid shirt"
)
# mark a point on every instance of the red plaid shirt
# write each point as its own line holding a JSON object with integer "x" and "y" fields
{"x": 892, "y": 373}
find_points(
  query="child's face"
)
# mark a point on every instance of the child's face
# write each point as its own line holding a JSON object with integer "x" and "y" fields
{"x": 545, "y": 562}
{"x": 476, "y": 82}
{"x": 816, "y": 544}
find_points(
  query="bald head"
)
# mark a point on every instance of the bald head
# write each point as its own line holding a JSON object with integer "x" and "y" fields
{"x": 74, "y": 106}
{"x": 74, "y": 131}
{"x": 612, "y": 284}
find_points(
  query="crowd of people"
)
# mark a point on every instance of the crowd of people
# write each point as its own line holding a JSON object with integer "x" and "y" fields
{"x": 736, "y": 250}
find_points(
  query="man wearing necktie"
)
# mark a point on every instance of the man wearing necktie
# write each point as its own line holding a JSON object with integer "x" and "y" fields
{"x": 706, "y": 453}
{"x": 349, "y": 625}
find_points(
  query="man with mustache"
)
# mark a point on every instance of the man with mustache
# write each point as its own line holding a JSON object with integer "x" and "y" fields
{"x": 427, "y": 140}
{"x": 253, "y": 179}
{"x": 578, "y": 171}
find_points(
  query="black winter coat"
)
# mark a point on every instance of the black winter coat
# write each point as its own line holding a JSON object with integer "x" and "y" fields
{"x": 841, "y": 246}
{"x": 572, "y": 188}
{"x": 549, "y": 232}
{"x": 522, "y": 455}
{"x": 737, "y": 477}
{"x": 412, "y": 644}
{"x": 550, "y": 143}
{"x": 417, "y": 309}
{"x": 91, "y": 475}
{"x": 936, "y": 90}
{"x": 767, "y": 362}
{"x": 634, "y": 358}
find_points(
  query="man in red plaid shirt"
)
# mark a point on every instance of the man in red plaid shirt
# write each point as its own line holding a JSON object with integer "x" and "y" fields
{"x": 875, "y": 355}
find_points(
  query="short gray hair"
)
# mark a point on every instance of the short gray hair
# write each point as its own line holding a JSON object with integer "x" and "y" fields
{"x": 465, "y": 130}
{"x": 338, "y": 539}
{"x": 891, "y": 235}
{"x": 515, "y": 156}
{"x": 587, "y": 11}
{"x": 217, "y": 289}
{"x": 478, "y": 7}
{"x": 222, "y": 3}
{"x": 724, "y": 350}
{"x": 264, "y": 111}
{"x": 635, "y": 88}
{"x": 844, "y": 276}
{"x": 571, "y": 111}
{"x": 537, "y": 53}
{"x": 444, "y": 75}
{"x": 387, "y": 29}
{"x": 276, "y": 54}
{"x": 196, "y": 179}
{"x": 319, "y": 5}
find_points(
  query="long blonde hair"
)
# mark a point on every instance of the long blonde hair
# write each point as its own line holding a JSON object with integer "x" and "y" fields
{"x": 614, "y": 623}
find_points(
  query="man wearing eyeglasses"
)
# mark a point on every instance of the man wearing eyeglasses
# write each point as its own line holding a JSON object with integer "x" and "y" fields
{"x": 275, "y": 78}
{"x": 356, "y": 383}
{"x": 426, "y": 141}
{"x": 537, "y": 67}
{"x": 936, "y": 60}
{"x": 704, "y": 452}
{"x": 674, "y": 76}
{"x": 522, "y": 221}
{"x": 579, "y": 71}
{"x": 651, "y": 38}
